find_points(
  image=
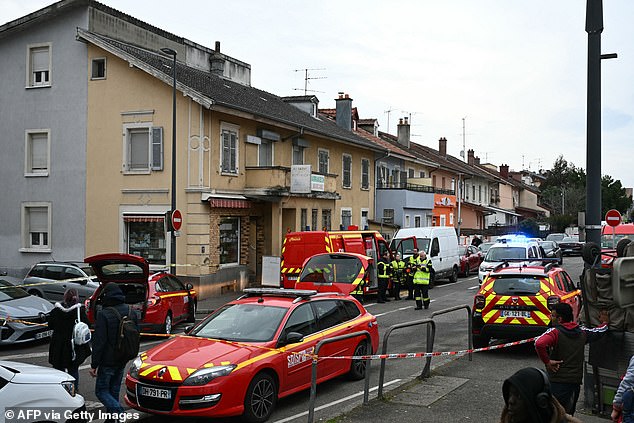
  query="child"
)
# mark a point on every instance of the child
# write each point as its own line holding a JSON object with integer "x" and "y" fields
{"x": 623, "y": 400}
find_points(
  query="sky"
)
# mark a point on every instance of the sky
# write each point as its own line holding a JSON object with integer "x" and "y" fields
{"x": 506, "y": 78}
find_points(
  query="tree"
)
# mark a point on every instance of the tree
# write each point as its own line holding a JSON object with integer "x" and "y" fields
{"x": 613, "y": 196}
{"x": 529, "y": 227}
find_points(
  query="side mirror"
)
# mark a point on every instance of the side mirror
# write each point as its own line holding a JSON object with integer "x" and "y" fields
{"x": 188, "y": 328}
{"x": 291, "y": 338}
{"x": 189, "y": 286}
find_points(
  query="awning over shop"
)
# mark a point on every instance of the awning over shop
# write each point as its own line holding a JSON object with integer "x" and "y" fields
{"x": 143, "y": 219}
{"x": 226, "y": 201}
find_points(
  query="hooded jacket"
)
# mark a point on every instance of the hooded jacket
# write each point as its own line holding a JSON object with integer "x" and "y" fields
{"x": 60, "y": 351}
{"x": 104, "y": 337}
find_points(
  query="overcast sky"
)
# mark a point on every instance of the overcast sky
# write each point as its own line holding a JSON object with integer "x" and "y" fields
{"x": 514, "y": 69}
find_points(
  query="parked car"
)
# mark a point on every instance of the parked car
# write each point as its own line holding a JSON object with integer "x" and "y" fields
{"x": 22, "y": 316}
{"x": 470, "y": 259}
{"x": 514, "y": 301}
{"x": 484, "y": 247}
{"x": 161, "y": 300}
{"x": 50, "y": 279}
{"x": 38, "y": 389}
{"x": 571, "y": 246}
{"x": 250, "y": 352}
{"x": 556, "y": 236}
{"x": 514, "y": 249}
{"x": 552, "y": 250}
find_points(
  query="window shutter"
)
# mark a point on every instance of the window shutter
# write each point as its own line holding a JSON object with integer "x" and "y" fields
{"x": 157, "y": 148}
{"x": 38, "y": 219}
{"x": 39, "y": 152}
{"x": 39, "y": 57}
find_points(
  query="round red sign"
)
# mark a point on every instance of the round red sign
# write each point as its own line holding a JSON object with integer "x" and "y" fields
{"x": 613, "y": 218}
{"x": 177, "y": 220}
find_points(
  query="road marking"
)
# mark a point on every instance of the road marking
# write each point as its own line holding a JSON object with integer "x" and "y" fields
{"x": 474, "y": 287}
{"x": 331, "y": 404}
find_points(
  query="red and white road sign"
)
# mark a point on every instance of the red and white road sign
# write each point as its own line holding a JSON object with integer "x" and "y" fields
{"x": 613, "y": 218}
{"x": 177, "y": 220}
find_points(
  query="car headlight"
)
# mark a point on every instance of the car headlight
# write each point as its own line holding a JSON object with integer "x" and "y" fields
{"x": 204, "y": 376}
{"x": 133, "y": 371}
{"x": 69, "y": 386}
{"x": 483, "y": 269}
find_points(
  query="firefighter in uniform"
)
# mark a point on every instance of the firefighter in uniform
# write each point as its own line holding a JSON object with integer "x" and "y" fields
{"x": 421, "y": 282}
{"x": 410, "y": 270}
{"x": 398, "y": 275}
{"x": 384, "y": 270}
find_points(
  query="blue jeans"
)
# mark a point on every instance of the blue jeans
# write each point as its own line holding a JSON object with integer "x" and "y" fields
{"x": 108, "y": 386}
{"x": 628, "y": 406}
{"x": 567, "y": 394}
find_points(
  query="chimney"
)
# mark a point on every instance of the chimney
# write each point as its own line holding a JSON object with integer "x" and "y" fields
{"x": 504, "y": 171}
{"x": 477, "y": 160}
{"x": 442, "y": 146}
{"x": 217, "y": 61}
{"x": 402, "y": 131}
{"x": 470, "y": 157}
{"x": 344, "y": 111}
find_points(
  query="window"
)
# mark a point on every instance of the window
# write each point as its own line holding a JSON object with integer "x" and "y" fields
{"x": 453, "y": 184}
{"x": 407, "y": 221}
{"x": 37, "y": 153}
{"x": 347, "y": 170}
{"x": 364, "y": 218}
{"x": 473, "y": 196}
{"x": 302, "y": 320}
{"x": 98, "y": 68}
{"x": 417, "y": 221}
{"x": 421, "y": 174}
{"x": 382, "y": 176}
{"x": 229, "y": 152}
{"x": 365, "y": 174}
{"x": 329, "y": 314}
{"x": 410, "y": 173}
{"x": 145, "y": 237}
{"x": 36, "y": 226}
{"x": 265, "y": 153}
{"x": 313, "y": 220}
{"x": 229, "y": 240}
{"x": 480, "y": 193}
{"x": 298, "y": 155}
{"x": 39, "y": 65}
{"x": 323, "y": 161}
{"x": 143, "y": 148}
{"x": 346, "y": 217}
{"x": 443, "y": 183}
{"x": 326, "y": 220}
{"x": 303, "y": 219}
{"x": 388, "y": 215}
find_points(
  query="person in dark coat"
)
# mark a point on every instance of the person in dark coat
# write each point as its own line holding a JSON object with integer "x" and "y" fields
{"x": 62, "y": 353}
{"x": 108, "y": 372}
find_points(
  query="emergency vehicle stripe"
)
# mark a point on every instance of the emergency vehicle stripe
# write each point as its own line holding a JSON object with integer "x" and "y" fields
{"x": 571, "y": 294}
{"x": 207, "y": 365}
{"x": 182, "y": 294}
{"x": 327, "y": 242}
{"x": 174, "y": 373}
{"x": 190, "y": 371}
{"x": 151, "y": 369}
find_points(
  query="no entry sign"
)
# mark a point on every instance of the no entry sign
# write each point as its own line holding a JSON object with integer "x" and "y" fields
{"x": 177, "y": 220}
{"x": 613, "y": 218}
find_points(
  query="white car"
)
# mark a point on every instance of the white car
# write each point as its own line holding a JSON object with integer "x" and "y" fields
{"x": 514, "y": 249}
{"x": 27, "y": 388}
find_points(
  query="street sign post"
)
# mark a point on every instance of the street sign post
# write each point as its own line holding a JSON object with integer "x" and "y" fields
{"x": 613, "y": 219}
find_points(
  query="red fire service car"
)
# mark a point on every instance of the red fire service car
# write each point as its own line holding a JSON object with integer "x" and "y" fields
{"x": 514, "y": 301}
{"x": 160, "y": 299}
{"x": 244, "y": 356}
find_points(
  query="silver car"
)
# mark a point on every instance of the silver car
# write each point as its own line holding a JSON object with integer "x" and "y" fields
{"x": 22, "y": 316}
{"x": 50, "y": 279}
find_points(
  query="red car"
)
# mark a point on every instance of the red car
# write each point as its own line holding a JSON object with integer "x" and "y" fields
{"x": 470, "y": 259}
{"x": 160, "y": 299}
{"x": 250, "y": 352}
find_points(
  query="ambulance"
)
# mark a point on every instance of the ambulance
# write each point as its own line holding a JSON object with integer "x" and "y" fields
{"x": 298, "y": 246}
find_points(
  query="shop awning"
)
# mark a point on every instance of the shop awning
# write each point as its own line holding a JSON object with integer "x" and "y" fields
{"x": 144, "y": 219}
{"x": 227, "y": 201}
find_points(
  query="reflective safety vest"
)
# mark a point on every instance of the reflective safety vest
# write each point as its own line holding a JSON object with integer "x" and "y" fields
{"x": 421, "y": 277}
{"x": 398, "y": 268}
{"x": 383, "y": 269}
{"x": 412, "y": 262}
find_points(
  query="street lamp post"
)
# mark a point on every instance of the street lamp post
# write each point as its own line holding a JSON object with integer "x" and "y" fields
{"x": 171, "y": 52}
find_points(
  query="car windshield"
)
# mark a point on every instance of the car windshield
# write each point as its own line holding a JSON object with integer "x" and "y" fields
{"x": 9, "y": 292}
{"x": 569, "y": 239}
{"x": 242, "y": 322}
{"x": 505, "y": 253}
{"x": 88, "y": 271}
{"x": 517, "y": 285}
{"x": 555, "y": 237}
{"x": 330, "y": 268}
{"x": 407, "y": 245}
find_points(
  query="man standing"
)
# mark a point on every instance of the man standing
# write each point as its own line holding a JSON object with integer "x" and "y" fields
{"x": 412, "y": 265}
{"x": 398, "y": 270}
{"x": 384, "y": 269}
{"x": 421, "y": 282}
{"x": 561, "y": 349}
{"x": 104, "y": 367}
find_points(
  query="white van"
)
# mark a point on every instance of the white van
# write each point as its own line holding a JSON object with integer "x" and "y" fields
{"x": 440, "y": 244}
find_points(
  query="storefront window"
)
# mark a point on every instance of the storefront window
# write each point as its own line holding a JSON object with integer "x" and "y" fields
{"x": 229, "y": 240}
{"x": 146, "y": 238}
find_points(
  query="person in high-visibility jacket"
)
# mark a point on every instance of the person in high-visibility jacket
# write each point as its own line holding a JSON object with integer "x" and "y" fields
{"x": 421, "y": 282}
{"x": 384, "y": 270}
{"x": 412, "y": 264}
{"x": 398, "y": 275}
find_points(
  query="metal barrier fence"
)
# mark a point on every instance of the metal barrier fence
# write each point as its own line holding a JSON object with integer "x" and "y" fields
{"x": 469, "y": 323}
{"x": 313, "y": 379}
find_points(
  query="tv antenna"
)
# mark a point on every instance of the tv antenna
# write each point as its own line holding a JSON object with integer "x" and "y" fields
{"x": 388, "y": 111}
{"x": 308, "y": 77}
{"x": 410, "y": 114}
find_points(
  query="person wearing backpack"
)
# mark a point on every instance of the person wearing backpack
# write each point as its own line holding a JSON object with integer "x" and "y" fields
{"x": 63, "y": 353}
{"x": 107, "y": 369}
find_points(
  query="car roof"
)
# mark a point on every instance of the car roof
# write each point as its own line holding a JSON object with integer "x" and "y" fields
{"x": 532, "y": 270}
{"x": 64, "y": 263}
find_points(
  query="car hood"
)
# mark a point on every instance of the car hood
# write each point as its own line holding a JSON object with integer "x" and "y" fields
{"x": 117, "y": 267}
{"x": 25, "y": 307}
{"x": 29, "y": 373}
{"x": 181, "y": 356}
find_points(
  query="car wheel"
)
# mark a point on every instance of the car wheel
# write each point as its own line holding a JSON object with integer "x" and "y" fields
{"x": 454, "y": 275}
{"x": 357, "y": 367}
{"x": 260, "y": 399}
{"x": 591, "y": 252}
{"x": 621, "y": 246}
{"x": 191, "y": 317}
{"x": 467, "y": 271}
{"x": 480, "y": 341}
{"x": 167, "y": 325}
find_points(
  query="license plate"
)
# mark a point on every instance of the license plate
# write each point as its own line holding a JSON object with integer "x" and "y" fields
{"x": 147, "y": 391}
{"x": 515, "y": 313}
{"x": 45, "y": 334}
{"x": 291, "y": 278}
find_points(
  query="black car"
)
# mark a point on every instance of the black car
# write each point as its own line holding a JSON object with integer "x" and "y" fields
{"x": 552, "y": 250}
{"x": 571, "y": 246}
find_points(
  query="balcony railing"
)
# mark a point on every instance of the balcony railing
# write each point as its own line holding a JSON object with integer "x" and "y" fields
{"x": 413, "y": 187}
{"x": 279, "y": 177}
